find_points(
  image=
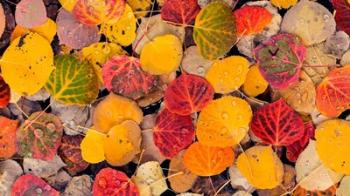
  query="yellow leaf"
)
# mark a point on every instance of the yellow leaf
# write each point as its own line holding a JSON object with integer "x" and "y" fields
{"x": 261, "y": 166}
{"x": 283, "y": 3}
{"x": 152, "y": 174}
{"x": 68, "y": 4}
{"x": 140, "y": 7}
{"x": 228, "y": 74}
{"x": 122, "y": 32}
{"x": 113, "y": 110}
{"x": 224, "y": 122}
{"x": 92, "y": 146}
{"x": 162, "y": 55}
{"x": 122, "y": 143}
{"x": 47, "y": 30}
{"x": 333, "y": 146}
{"x": 98, "y": 53}
{"x": 344, "y": 187}
{"x": 27, "y": 63}
{"x": 254, "y": 84}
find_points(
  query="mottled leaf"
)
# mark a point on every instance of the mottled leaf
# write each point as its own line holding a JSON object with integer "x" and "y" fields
{"x": 181, "y": 12}
{"x": 30, "y": 13}
{"x": 8, "y": 129}
{"x": 29, "y": 184}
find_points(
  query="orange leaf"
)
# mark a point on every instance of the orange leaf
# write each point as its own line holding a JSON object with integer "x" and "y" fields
{"x": 7, "y": 137}
{"x": 207, "y": 161}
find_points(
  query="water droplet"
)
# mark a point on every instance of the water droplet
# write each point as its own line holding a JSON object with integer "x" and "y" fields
{"x": 224, "y": 115}
{"x": 223, "y": 130}
{"x": 200, "y": 70}
{"x": 226, "y": 73}
{"x": 51, "y": 126}
{"x": 38, "y": 190}
{"x": 239, "y": 117}
{"x": 234, "y": 103}
{"x": 325, "y": 17}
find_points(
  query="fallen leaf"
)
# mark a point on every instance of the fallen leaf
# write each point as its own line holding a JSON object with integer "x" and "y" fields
{"x": 30, "y": 13}
{"x": 342, "y": 15}
{"x": 254, "y": 83}
{"x": 29, "y": 184}
{"x": 10, "y": 170}
{"x": 284, "y": 3}
{"x": 8, "y": 130}
{"x": 152, "y": 174}
{"x": 194, "y": 63}
{"x": 344, "y": 187}
{"x": 180, "y": 12}
{"x": 79, "y": 186}
{"x": 41, "y": 168}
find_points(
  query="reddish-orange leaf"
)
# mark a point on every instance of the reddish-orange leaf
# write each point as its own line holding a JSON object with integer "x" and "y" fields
{"x": 251, "y": 19}
{"x": 5, "y": 93}
{"x": 277, "y": 124}
{"x": 172, "y": 133}
{"x": 188, "y": 94}
{"x": 294, "y": 150}
{"x": 333, "y": 93}
{"x": 113, "y": 183}
{"x": 29, "y": 184}
{"x": 331, "y": 191}
{"x": 180, "y": 11}
{"x": 8, "y": 129}
{"x": 207, "y": 161}
{"x": 123, "y": 75}
{"x": 91, "y": 12}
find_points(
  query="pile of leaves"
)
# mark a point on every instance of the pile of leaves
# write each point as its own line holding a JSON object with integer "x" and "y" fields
{"x": 174, "y": 97}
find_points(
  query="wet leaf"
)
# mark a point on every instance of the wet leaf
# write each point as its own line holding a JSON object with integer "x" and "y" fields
{"x": 181, "y": 12}
{"x": 8, "y": 129}
{"x": 188, "y": 94}
{"x": 152, "y": 174}
{"x": 194, "y": 63}
{"x": 172, "y": 133}
{"x": 344, "y": 187}
{"x": 204, "y": 160}
{"x": 302, "y": 192}
{"x": 92, "y": 149}
{"x": 30, "y": 13}
{"x": 79, "y": 186}
{"x": 47, "y": 30}
{"x": 284, "y": 3}
{"x": 254, "y": 83}
{"x": 277, "y": 124}
{"x": 29, "y": 184}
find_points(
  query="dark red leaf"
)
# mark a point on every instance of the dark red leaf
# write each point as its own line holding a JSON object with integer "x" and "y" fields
{"x": 28, "y": 185}
{"x": 123, "y": 75}
{"x": 277, "y": 124}
{"x": 342, "y": 15}
{"x": 180, "y": 11}
{"x": 294, "y": 150}
{"x": 70, "y": 152}
{"x": 113, "y": 183}
{"x": 40, "y": 136}
{"x": 172, "y": 133}
{"x": 188, "y": 94}
{"x": 5, "y": 93}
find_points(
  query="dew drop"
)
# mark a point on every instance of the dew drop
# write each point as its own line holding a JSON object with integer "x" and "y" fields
{"x": 200, "y": 69}
{"x": 224, "y": 115}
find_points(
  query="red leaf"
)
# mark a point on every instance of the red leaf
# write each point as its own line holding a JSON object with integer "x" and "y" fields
{"x": 92, "y": 12}
{"x": 5, "y": 93}
{"x": 294, "y": 150}
{"x": 251, "y": 19}
{"x": 113, "y": 183}
{"x": 280, "y": 59}
{"x": 180, "y": 11}
{"x": 123, "y": 75}
{"x": 277, "y": 124}
{"x": 70, "y": 152}
{"x": 8, "y": 129}
{"x": 29, "y": 184}
{"x": 333, "y": 93}
{"x": 188, "y": 94}
{"x": 172, "y": 133}
{"x": 342, "y": 15}
{"x": 30, "y": 13}
{"x": 40, "y": 136}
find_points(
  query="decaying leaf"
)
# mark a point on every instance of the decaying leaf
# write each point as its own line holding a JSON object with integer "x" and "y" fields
{"x": 150, "y": 151}
{"x": 194, "y": 63}
{"x": 337, "y": 44}
{"x": 41, "y": 168}
{"x": 29, "y": 184}
{"x": 342, "y": 14}
{"x": 152, "y": 174}
{"x": 30, "y": 13}
{"x": 180, "y": 12}
{"x": 10, "y": 170}
{"x": 344, "y": 187}
{"x": 79, "y": 186}
{"x": 284, "y": 3}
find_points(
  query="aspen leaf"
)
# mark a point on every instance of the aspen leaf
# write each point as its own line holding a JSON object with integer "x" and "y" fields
{"x": 194, "y": 63}
{"x": 181, "y": 12}
{"x": 2, "y": 20}
{"x": 47, "y": 30}
{"x": 92, "y": 149}
{"x": 43, "y": 169}
{"x": 29, "y": 184}
{"x": 113, "y": 110}
{"x": 10, "y": 171}
{"x": 27, "y": 64}
{"x": 140, "y": 7}
{"x": 332, "y": 145}
{"x": 261, "y": 166}
{"x": 302, "y": 192}
{"x": 30, "y": 13}
{"x": 214, "y": 30}
{"x": 342, "y": 16}
{"x": 72, "y": 82}
{"x": 162, "y": 55}
{"x": 123, "y": 31}
{"x": 228, "y": 74}
{"x": 152, "y": 174}
{"x": 207, "y": 161}
{"x": 224, "y": 122}
{"x": 344, "y": 187}
{"x": 8, "y": 129}
{"x": 68, "y": 4}
{"x": 5, "y": 93}
{"x": 285, "y": 4}
{"x": 254, "y": 84}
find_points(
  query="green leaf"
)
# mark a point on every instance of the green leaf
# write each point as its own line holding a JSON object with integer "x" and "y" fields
{"x": 214, "y": 30}
{"x": 73, "y": 82}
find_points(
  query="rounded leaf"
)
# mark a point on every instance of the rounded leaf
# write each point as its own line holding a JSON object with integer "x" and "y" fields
{"x": 332, "y": 144}
{"x": 214, "y": 30}
{"x": 182, "y": 12}
{"x": 224, "y": 122}
{"x": 254, "y": 84}
{"x": 228, "y": 75}
{"x": 277, "y": 124}
{"x": 172, "y": 133}
{"x": 283, "y": 3}
{"x": 150, "y": 174}
{"x": 29, "y": 184}
{"x": 113, "y": 110}
{"x": 40, "y": 136}
{"x": 92, "y": 149}
{"x": 207, "y": 161}
{"x": 123, "y": 75}
{"x": 113, "y": 182}
{"x": 8, "y": 129}
{"x": 30, "y": 13}
{"x": 73, "y": 82}
{"x": 261, "y": 166}
{"x": 188, "y": 94}
{"x": 27, "y": 63}
{"x": 162, "y": 55}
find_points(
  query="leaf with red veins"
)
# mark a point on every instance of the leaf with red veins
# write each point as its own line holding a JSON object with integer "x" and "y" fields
{"x": 180, "y": 11}
{"x": 277, "y": 124}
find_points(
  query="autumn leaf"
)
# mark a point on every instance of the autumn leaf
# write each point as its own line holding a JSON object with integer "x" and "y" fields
{"x": 342, "y": 14}
{"x": 29, "y": 184}
{"x": 47, "y": 30}
{"x": 254, "y": 84}
{"x": 8, "y": 137}
{"x": 172, "y": 133}
{"x": 31, "y": 13}
{"x": 283, "y": 3}
{"x": 277, "y": 124}
{"x": 180, "y": 12}
{"x": 5, "y": 93}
